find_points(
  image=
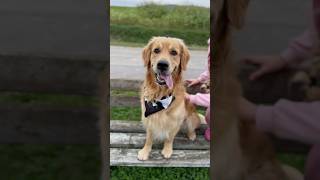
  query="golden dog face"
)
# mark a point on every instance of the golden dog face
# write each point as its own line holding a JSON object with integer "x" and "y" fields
{"x": 164, "y": 56}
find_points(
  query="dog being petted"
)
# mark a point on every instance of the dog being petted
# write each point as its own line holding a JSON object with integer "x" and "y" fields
{"x": 165, "y": 59}
{"x": 155, "y": 131}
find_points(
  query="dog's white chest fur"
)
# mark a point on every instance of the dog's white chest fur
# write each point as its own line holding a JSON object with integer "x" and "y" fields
{"x": 161, "y": 124}
{"x": 160, "y": 135}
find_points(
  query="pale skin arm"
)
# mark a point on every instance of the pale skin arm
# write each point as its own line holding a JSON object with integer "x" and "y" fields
{"x": 267, "y": 64}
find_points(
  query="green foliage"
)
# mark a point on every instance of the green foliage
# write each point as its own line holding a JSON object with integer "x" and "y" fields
{"x": 142, "y": 35}
{"x": 139, "y": 24}
{"x": 153, "y": 11}
{"x": 162, "y": 16}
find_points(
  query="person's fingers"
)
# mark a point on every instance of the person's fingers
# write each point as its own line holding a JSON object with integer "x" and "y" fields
{"x": 186, "y": 95}
{"x": 190, "y": 84}
{"x": 252, "y": 60}
{"x": 258, "y": 73}
{"x": 189, "y": 81}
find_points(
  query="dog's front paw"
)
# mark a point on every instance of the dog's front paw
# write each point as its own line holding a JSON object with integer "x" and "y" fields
{"x": 192, "y": 136}
{"x": 166, "y": 153}
{"x": 143, "y": 155}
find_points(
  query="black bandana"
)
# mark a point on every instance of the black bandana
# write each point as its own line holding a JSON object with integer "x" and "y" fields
{"x": 156, "y": 106}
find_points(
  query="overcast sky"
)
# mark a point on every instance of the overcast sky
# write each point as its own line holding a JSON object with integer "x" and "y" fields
{"x": 205, "y": 3}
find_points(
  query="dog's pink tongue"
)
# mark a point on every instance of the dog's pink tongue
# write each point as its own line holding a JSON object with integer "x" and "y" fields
{"x": 168, "y": 79}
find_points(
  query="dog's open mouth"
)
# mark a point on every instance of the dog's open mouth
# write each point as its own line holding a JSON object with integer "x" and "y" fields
{"x": 164, "y": 79}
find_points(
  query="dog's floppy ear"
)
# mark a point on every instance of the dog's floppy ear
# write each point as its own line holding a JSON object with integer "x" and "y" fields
{"x": 185, "y": 56}
{"x": 146, "y": 53}
{"x": 236, "y": 12}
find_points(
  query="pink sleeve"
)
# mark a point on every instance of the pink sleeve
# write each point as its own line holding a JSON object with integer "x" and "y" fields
{"x": 204, "y": 76}
{"x": 200, "y": 99}
{"x": 291, "y": 120}
{"x": 300, "y": 48}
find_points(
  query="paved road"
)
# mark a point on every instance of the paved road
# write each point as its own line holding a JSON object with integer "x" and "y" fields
{"x": 126, "y": 63}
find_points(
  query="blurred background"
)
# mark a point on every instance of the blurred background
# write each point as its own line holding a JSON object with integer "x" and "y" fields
{"x": 52, "y": 54}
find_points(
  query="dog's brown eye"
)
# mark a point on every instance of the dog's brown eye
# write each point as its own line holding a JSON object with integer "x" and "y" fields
{"x": 156, "y": 50}
{"x": 173, "y": 52}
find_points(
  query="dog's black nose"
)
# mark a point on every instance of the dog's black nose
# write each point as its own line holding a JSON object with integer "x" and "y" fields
{"x": 163, "y": 65}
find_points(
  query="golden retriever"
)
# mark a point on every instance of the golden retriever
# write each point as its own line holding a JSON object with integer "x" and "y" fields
{"x": 240, "y": 152}
{"x": 165, "y": 59}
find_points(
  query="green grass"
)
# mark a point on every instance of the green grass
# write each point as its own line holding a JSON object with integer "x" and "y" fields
{"x": 47, "y": 99}
{"x": 125, "y": 113}
{"x": 136, "y": 25}
{"x": 294, "y": 160}
{"x": 38, "y": 162}
{"x": 127, "y": 93}
{"x": 115, "y": 42}
{"x": 50, "y": 162}
{"x": 147, "y": 173}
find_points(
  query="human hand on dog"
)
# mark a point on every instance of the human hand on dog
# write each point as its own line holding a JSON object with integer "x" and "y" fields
{"x": 192, "y": 82}
{"x": 267, "y": 64}
{"x": 246, "y": 110}
{"x": 187, "y": 96}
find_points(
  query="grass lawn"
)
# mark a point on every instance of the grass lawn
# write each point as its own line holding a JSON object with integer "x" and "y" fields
{"x": 126, "y": 93}
{"x": 148, "y": 173}
{"x": 136, "y": 25}
{"x": 49, "y": 162}
{"x": 47, "y": 99}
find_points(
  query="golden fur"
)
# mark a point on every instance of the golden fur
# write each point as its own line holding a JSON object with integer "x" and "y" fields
{"x": 165, "y": 124}
{"x": 240, "y": 152}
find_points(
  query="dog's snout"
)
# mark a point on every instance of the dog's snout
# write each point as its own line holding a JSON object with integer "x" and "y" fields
{"x": 163, "y": 65}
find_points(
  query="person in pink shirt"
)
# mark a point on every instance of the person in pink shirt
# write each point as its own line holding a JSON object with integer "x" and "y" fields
{"x": 202, "y": 99}
{"x": 287, "y": 119}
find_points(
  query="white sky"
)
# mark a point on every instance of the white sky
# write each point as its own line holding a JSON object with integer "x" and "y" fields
{"x": 205, "y": 3}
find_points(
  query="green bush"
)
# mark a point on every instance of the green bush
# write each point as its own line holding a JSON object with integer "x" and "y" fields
{"x": 139, "y": 24}
{"x": 153, "y": 11}
{"x": 162, "y": 16}
{"x": 140, "y": 34}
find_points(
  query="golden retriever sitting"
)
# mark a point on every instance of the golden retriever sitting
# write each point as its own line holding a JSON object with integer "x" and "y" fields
{"x": 164, "y": 108}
